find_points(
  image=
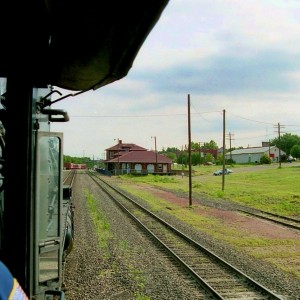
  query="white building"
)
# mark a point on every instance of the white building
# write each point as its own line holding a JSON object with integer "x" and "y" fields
{"x": 253, "y": 154}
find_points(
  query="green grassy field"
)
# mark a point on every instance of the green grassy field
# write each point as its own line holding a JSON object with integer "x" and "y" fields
{"x": 268, "y": 188}
{"x": 273, "y": 189}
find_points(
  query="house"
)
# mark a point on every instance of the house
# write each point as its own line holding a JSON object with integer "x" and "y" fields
{"x": 125, "y": 158}
{"x": 253, "y": 154}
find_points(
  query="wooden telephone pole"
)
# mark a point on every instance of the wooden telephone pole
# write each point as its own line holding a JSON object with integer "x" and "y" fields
{"x": 224, "y": 145}
{"x": 278, "y": 126}
{"x": 230, "y": 137}
{"x": 190, "y": 150}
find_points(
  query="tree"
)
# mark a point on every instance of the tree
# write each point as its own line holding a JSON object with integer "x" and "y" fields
{"x": 170, "y": 149}
{"x": 219, "y": 160}
{"x": 195, "y": 145}
{"x": 210, "y": 145}
{"x": 182, "y": 158}
{"x": 287, "y": 141}
{"x": 195, "y": 159}
{"x": 79, "y": 160}
{"x": 209, "y": 157}
{"x": 295, "y": 151}
{"x": 171, "y": 155}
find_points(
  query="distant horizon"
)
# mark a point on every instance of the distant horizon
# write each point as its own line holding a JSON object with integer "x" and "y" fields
{"x": 238, "y": 147}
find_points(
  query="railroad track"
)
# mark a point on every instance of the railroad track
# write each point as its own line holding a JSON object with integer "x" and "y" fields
{"x": 275, "y": 218}
{"x": 213, "y": 274}
{"x": 68, "y": 177}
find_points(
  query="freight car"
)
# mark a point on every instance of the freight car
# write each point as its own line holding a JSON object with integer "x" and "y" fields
{"x": 75, "y": 46}
{"x": 73, "y": 166}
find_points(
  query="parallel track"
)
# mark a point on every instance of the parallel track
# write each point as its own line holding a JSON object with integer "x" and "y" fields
{"x": 68, "y": 177}
{"x": 275, "y": 218}
{"x": 212, "y": 273}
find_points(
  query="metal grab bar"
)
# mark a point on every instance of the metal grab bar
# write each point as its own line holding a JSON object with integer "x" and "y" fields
{"x": 55, "y": 112}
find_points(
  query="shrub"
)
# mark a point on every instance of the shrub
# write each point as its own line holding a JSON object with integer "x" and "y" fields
{"x": 265, "y": 159}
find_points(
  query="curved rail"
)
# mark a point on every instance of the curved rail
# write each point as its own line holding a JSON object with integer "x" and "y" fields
{"x": 215, "y": 275}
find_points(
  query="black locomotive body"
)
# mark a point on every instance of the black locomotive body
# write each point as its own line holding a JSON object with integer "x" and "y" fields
{"x": 43, "y": 241}
{"x": 77, "y": 46}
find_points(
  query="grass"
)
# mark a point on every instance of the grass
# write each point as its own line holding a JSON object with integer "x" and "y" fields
{"x": 103, "y": 231}
{"x": 101, "y": 224}
{"x": 276, "y": 190}
{"x": 210, "y": 225}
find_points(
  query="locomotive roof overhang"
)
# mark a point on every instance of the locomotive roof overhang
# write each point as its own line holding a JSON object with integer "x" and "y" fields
{"x": 74, "y": 44}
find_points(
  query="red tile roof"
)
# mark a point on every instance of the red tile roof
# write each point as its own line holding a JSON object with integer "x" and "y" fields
{"x": 141, "y": 157}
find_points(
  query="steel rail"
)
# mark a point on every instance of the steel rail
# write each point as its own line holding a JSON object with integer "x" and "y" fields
{"x": 203, "y": 282}
{"x": 282, "y": 220}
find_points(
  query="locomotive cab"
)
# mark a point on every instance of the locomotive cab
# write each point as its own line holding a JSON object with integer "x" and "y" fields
{"x": 54, "y": 50}
{"x": 53, "y": 216}
{"x": 45, "y": 211}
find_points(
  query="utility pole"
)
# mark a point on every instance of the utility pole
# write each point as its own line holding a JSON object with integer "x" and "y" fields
{"x": 223, "y": 175}
{"x": 118, "y": 149}
{"x": 278, "y": 126}
{"x": 279, "y": 145}
{"x": 189, "y": 149}
{"x": 230, "y": 135}
{"x": 118, "y": 167}
{"x": 154, "y": 137}
{"x": 199, "y": 153}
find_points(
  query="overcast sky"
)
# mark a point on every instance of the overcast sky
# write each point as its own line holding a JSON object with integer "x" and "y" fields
{"x": 234, "y": 55}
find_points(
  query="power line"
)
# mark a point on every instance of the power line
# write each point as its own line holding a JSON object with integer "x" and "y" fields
{"x": 129, "y": 116}
{"x": 251, "y": 119}
{"x": 172, "y": 115}
{"x": 139, "y": 116}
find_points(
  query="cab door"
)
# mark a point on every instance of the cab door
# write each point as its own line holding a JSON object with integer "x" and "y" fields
{"x": 48, "y": 206}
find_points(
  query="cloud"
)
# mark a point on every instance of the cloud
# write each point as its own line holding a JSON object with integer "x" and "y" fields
{"x": 237, "y": 56}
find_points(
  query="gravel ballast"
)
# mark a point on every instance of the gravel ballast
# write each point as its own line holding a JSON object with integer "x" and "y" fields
{"x": 131, "y": 267}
